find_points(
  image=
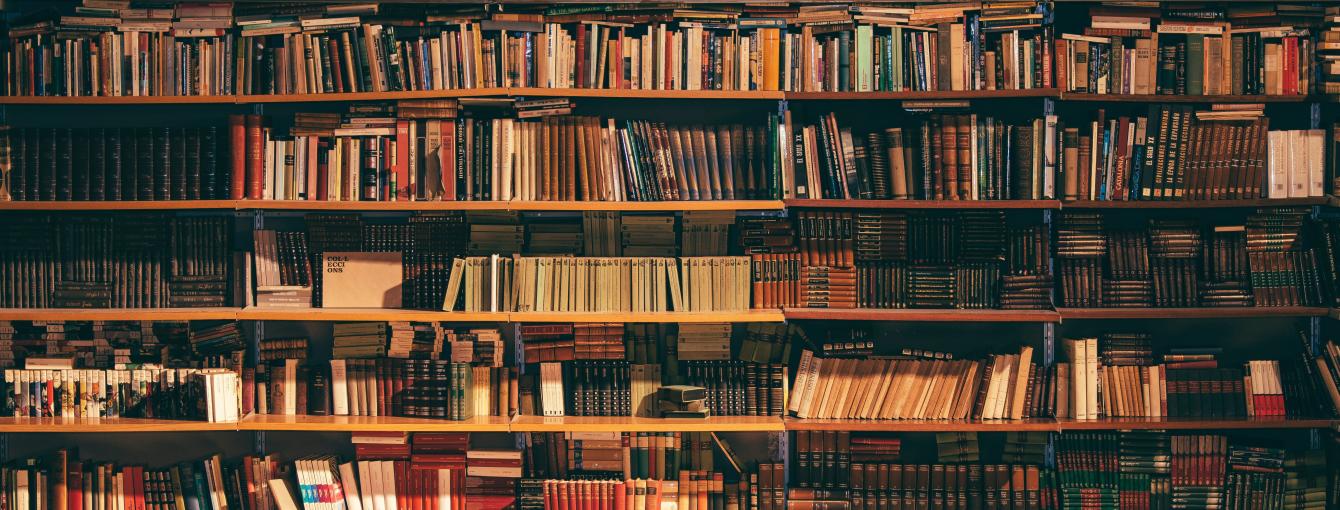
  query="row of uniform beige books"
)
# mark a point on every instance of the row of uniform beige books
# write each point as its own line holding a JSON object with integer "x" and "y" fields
{"x": 598, "y": 284}
{"x": 913, "y": 388}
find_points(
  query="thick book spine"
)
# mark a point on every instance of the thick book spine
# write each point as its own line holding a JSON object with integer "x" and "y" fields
{"x": 238, "y": 142}
{"x": 255, "y": 157}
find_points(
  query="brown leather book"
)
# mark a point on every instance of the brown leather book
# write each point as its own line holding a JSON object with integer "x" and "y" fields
{"x": 934, "y": 172}
{"x": 711, "y": 147}
{"x": 237, "y": 132}
{"x": 743, "y": 137}
{"x": 726, "y": 162}
{"x": 569, "y": 177}
{"x": 965, "y": 163}
{"x": 582, "y": 145}
{"x": 949, "y": 128}
{"x": 700, "y": 163}
{"x": 255, "y": 157}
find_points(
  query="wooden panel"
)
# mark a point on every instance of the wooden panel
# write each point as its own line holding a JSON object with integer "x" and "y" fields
{"x": 366, "y": 314}
{"x": 921, "y": 425}
{"x": 647, "y": 94}
{"x": 373, "y": 423}
{"x": 686, "y": 205}
{"x": 924, "y": 204}
{"x": 1192, "y": 424}
{"x": 81, "y": 425}
{"x": 118, "y": 314}
{"x": 1192, "y": 204}
{"x": 128, "y": 205}
{"x": 1192, "y": 313}
{"x": 633, "y": 424}
{"x": 918, "y": 315}
{"x": 1159, "y": 98}
{"x": 924, "y": 95}
{"x": 680, "y": 317}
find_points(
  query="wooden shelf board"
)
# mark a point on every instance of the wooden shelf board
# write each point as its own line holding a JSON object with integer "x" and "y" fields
{"x": 1191, "y": 313}
{"x": 1160, "y": 98}
{"x": 923, "y": 204}
{"x": 128, "y": 205}
{"x": 366, "y": 314}
{"x": 634, "y": 424}
{"x": 326, "y": 205}
{"x": 679, "y": 317}
{"x": 681, "y": 205}
{"x": 371, "y": 96}
{"x": 924, "y": 95}
{"x": 646, "y": 94}
{"x": 118, "y": 314}
{"x": 372, "y": 424}
{"x": 1192, "y": 204}
{"x": 84, "y": 425}
{"x": 921, "y": 315}
{"x": 921, "y": 425}
{"x": 117, "y": 100}
{"x": 1193, "y": 423}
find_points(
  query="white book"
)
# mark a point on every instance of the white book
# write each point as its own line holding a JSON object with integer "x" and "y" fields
{"x": 283, "y": 497}
{"x": 339, "y": 388}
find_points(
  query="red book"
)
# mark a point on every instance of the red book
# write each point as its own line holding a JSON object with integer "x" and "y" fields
{"x": 237, "y": 132}
{"x": 401, "y": 485}
{"x": 401, "y": 160}
{"x": 580, "y": 55}
{"x": 74, "y": 486}
{"x": 620, "y": 496}
{"x": 255, "y": 157}
{"x": 322, "y": 170}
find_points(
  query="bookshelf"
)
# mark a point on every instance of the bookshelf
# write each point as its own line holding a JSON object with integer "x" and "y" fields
{"x": 1018, "y": 118}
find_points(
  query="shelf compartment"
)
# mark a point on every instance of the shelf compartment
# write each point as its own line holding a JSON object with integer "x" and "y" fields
{"x": 921, "y": 315}
{"x": 263, "y": 422}
{"x": 637, "y": 424}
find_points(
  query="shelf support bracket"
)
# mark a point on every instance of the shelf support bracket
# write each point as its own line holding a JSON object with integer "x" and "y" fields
{"x": 1048, "y": 344}
{"x": 258, "y": 442}
{"x": 4, "y": 447}
{"x": 1314, "y": 109}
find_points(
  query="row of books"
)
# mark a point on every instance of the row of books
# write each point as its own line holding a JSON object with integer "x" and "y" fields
{"x": 126, "y": 261}
{"x": 581, "y": 284}
{"x": 805, "y": 48}
{"x": 1189, "y": 383}
{"x": 167, "y": 163}
{"x": 893, "y": 485}
{"x": 166, "y": 393}
{"x": 936, "y": 157}
{"x": 1224, "y": 51}
{"x": 95, "y": 344}
{"x": 424, "y": 150}
{"x": 650, "y": 455}
{"x": 1007, "y": 386}
{"x": 1265, "y": 261}
{"x": 1177, "y": 153}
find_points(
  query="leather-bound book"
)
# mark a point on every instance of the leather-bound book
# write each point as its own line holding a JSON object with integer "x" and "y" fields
{"x": 237, "y": 136}
{"x": 255, "y": 154}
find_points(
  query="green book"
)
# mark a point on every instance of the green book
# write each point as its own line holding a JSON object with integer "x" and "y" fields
{"x": 1195, "y": 64}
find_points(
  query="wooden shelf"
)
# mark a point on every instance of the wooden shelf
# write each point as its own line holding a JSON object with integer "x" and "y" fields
{"x": 773, "y": 95}
{"x": 118, "y": 314}
{"x": 107, "y": 205}
{"x": 1193, "y": 423}
{"x": 433, "y": 205}
{"x": 922, "y": 204}
{"x": 923, "y": 95}
{"x": 372, "y": 424}
{"x": 117, "y": 100}
{"x": 921, "y": 425}
{"x": 1192, "y": 313}
{"x": 1193, "y": 204}
{"x": 634, "y": 424}
{"x": 86, "y": 425}
{"x": 1160, "y": 98}
{"x": 921, "y": 315}
{"x": 366, "y": 314}
{"x": 370, "y": 96}
{"x": 680, "y": 317}
{"x": 677, "y": 205}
